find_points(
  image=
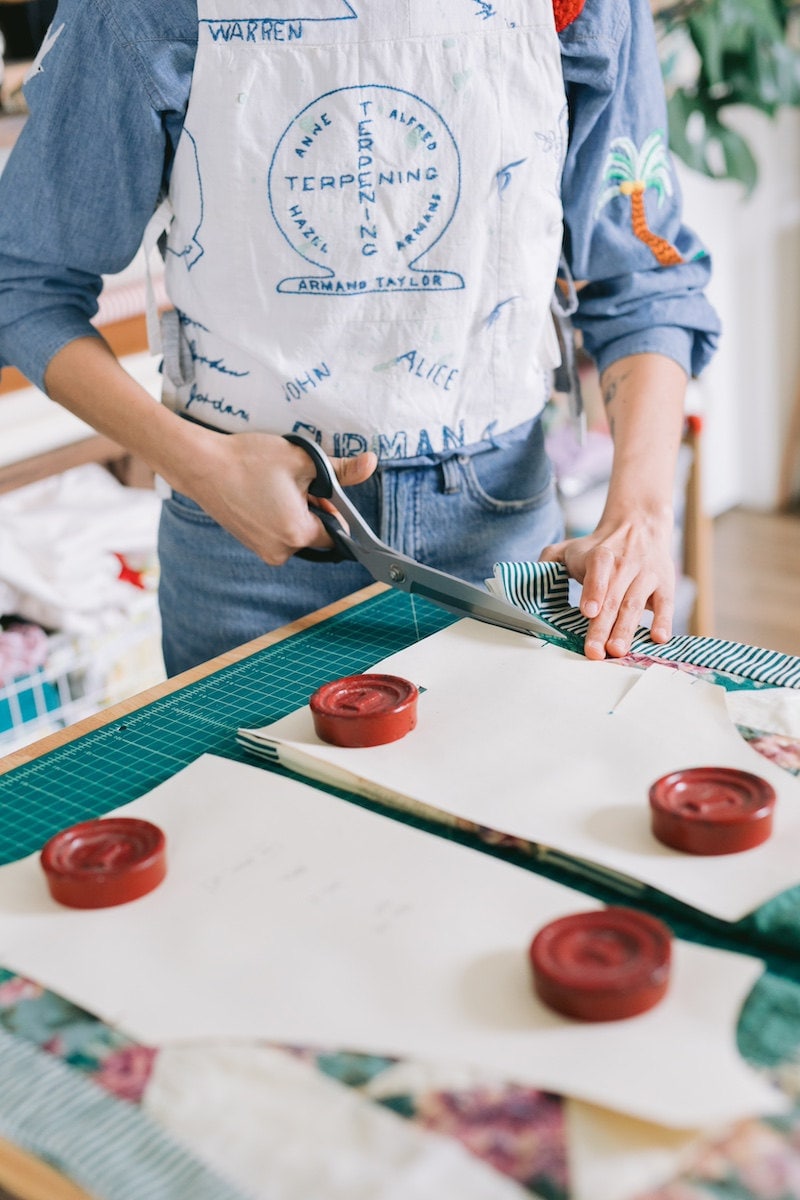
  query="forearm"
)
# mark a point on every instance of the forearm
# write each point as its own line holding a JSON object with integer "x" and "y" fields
{"x": 86, "y": 378}
{"x": 644, "y": 398}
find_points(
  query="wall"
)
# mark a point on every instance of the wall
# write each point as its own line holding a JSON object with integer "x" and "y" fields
{"x": 748, "y": 391}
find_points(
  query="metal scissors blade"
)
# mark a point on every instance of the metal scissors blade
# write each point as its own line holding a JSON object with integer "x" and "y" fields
{"x": 398, "y": 570}
{"x": 448, "y": 591}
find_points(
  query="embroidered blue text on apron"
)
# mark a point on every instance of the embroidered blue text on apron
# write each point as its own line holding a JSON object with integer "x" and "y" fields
{"x": 366, "y": 220}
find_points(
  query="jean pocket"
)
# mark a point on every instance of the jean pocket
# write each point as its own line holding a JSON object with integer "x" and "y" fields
{"x": 185, "y": 509}
{"x": 500, "y": 481}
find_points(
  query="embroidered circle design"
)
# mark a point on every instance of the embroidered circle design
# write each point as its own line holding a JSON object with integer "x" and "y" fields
{"x": 362, "y": 184}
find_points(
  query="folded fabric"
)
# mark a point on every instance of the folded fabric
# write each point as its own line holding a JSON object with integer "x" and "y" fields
{"x": 60, "y": 542}
{"x": 543, "y": 589}
{"x": 94, "y": 1139}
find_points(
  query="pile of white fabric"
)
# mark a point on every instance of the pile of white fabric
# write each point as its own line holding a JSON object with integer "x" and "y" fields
{"x": 76, "y": 550}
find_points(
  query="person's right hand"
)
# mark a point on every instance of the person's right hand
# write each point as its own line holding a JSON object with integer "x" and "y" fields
{"x": 254, "y": 484}
{"x": 258, "y": 490}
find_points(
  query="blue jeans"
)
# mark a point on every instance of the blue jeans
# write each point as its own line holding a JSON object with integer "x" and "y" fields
{"x": 461, "y": 515}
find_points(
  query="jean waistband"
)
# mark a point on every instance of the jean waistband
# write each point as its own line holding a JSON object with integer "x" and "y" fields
{"x": 499, "y": 441}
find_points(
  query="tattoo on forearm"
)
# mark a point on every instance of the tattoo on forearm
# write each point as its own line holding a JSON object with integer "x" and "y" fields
{"x": 612, "y": 385}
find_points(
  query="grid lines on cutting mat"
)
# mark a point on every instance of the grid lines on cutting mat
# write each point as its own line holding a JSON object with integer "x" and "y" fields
{"x": 112, "y": 765}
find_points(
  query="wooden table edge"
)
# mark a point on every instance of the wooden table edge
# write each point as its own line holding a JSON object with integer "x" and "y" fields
{"x": 27, "y": 754}
{"x": 28, "y": 1178}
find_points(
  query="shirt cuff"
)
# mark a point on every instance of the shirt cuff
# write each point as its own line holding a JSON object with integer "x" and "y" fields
{"x": 689, "y": 348}
{"x": 30, "y": 344}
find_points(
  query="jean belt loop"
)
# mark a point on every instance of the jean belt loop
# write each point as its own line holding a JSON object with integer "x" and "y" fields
{"x": 451, "y": 476}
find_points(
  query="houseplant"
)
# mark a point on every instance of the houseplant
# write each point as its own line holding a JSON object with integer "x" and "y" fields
{"x": 717, "y": 54}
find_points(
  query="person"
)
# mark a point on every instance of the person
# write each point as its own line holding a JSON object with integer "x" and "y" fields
{"x": 362, "y": 209}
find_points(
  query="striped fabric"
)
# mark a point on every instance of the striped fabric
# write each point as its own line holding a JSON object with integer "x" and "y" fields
{"x": 543, "y": 589}
{"x": 104, "y": 1145}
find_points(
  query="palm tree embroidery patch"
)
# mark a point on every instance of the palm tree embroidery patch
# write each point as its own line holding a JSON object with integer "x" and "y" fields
{"x": 629, "y": 171}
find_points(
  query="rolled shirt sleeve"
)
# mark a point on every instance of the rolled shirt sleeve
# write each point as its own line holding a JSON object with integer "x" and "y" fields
{"x": 644, "y": 270}
{"x": 87, "y": 170}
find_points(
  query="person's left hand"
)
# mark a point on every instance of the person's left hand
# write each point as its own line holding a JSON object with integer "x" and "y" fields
{"x": 626, "y": 567}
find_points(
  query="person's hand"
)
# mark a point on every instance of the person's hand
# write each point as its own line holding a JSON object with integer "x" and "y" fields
{"x": 626, "y": 567}
{"x": 254, "y": 484}
{"x": 258, "y": 490}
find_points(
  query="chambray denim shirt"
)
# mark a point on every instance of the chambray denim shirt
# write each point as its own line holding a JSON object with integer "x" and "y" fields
{"x": 107, "y": 99}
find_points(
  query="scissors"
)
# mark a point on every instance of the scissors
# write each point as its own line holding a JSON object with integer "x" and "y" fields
{"x": 398, "y": 570}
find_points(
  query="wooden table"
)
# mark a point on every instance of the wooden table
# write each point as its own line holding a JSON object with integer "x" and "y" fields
{"x": 22, "y": 1176}
{"x": 361, "y": 633}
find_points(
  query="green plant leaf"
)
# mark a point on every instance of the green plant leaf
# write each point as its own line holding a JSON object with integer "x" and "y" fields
{"x": 746, "y": 58}
{"x": 709, "y": 37}
{"x": 713, "y": 149}
{"x": 739, "y": 160}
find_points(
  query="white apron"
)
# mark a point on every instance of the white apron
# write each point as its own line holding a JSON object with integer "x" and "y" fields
{"x": 366, "y": 221}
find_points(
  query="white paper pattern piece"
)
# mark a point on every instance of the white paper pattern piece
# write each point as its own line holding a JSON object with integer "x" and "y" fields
{"x": 295, "y": 917}
{"x": 543, "y": 744}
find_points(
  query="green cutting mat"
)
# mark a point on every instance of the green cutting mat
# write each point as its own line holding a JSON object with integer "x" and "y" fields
{"x": 116, "y": 764}
{"x": 113, "y": 765}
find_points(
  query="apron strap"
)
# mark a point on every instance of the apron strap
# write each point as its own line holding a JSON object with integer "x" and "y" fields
{"x": 563, "y": 304}
{"x": 158, "y": 225}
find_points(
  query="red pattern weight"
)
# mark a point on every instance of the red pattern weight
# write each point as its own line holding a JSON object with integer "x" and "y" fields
{"x": 101, "y": 863}
{"x": 364, "y": 710}
{"x": 711, "y": 810}
{"x": 605, "y": 965}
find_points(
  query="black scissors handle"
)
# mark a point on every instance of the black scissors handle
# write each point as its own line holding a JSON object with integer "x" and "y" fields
{"x": 321, "y": 486}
